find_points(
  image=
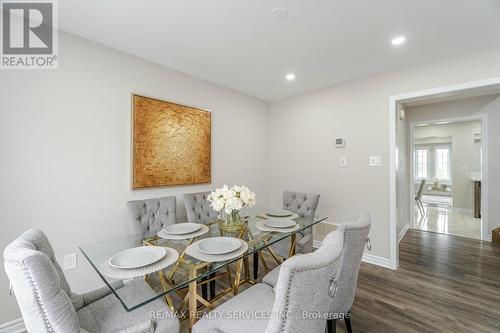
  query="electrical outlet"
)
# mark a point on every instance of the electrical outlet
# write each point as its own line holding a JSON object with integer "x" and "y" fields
{"x": 343, "y": 162}
{"x": 375, "y": 161}
{"x": 70, "y": 261}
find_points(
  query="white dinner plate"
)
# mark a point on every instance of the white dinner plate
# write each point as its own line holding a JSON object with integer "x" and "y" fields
{"x": 182, "y": 228}
{"x": 219, "y": 245}
{"x": 137, "y": 257}
{"x": 279, "y": 213}
{"x": 281, "y": 223}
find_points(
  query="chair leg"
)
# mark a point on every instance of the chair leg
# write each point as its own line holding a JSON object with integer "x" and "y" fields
{"x": 212, "y": 286}
{"x": 204, "y": 290}
{"x": 348, "y": 323}
{"x": 256, "y": 265}
{"x": 331, "y": 325}
{"x": 421, "y": 205}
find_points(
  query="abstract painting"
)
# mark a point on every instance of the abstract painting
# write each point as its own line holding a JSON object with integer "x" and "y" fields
{"x": 171, "y": 144}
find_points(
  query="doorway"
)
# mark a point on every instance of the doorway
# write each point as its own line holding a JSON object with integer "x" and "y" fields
{"x": 400, "y": 204}
{"x": 445, "y": 175}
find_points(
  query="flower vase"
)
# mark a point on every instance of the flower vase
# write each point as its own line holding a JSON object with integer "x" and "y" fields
{"x": 231, "y": 223}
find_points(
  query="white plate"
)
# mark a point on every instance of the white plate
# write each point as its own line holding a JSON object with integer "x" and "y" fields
{"x": 279, "y": 213}
{"x": 182, "y": 228}
{"x": 282, "y": 223}
{"x": 137, "y": 257}
{"x": 219, "y": 245}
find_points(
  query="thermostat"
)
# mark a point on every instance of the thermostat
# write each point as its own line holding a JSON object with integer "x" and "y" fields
{"x": 339, "y": 143}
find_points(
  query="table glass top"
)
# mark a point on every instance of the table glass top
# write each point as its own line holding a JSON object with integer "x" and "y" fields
{"x": 187, "y": 269}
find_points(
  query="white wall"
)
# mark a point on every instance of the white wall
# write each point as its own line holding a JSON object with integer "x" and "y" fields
{"x": 464, "y": 153}
{"x": 303, "y": 129}
{"x": 65, "y": 148}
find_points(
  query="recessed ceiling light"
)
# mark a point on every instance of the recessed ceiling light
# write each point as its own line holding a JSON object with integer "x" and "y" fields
{"x": 290, "y": 77}
{"x": 398, "y": 41}
{"x": 443, "y": 123}
{"x": 420, "y": 125}
{"x": 279, "y": 13}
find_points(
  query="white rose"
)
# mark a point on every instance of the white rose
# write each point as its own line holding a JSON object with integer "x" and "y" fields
{"x": 251, "y": 199}
{"x": 218, "y": 204}
{"x": 233, "y": 203}
{"x": 227, "y": 192}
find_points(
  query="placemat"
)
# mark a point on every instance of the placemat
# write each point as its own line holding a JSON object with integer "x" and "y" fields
{"x": 119, "y": 273}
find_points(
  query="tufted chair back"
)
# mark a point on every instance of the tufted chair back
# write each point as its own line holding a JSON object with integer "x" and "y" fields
{"x": 198, "y": 208}
{"x": 42, "y": 292}
{"x": 355, "y": 238}
{"x": 304, "y": 204}
{"x": 304, "y": 286}
{"x": 151, "y": 215}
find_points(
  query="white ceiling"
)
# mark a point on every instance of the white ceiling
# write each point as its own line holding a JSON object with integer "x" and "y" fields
{"x": 236, "y": 44}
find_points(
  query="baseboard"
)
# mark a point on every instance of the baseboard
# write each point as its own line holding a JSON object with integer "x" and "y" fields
{"x": 368, "y": 258}
{"x": 403, "y": 231}
{"x": 15, "y": 326}
{"x": 376, "y": 260}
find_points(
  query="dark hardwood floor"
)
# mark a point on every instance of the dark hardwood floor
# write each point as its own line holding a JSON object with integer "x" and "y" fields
{"x": 444, "y": 284}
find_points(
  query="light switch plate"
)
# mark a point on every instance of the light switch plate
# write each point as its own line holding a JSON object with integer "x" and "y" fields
{"x": 343, "y": 162}
{"x": 375, "y": 161}
{"x": 70, "y": 261}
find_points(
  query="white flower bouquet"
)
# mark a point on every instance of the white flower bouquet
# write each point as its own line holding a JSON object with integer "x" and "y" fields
{"x": 229, "y": 200}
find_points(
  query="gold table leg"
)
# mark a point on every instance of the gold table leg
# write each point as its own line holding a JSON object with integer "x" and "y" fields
{"x": 193, "y": 299}
{"x": 165, "y": 286}
{"x": 293, "y": 245}
{"x": 246, "y": 266}
{"x": 238, "y": 277}
{"x": 181, "y": 257}
{"x": 263, "y": 260}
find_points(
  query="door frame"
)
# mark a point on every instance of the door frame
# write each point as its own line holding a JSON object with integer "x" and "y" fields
{"x": 394, "y": 102}
{"x": 483, "y": 118}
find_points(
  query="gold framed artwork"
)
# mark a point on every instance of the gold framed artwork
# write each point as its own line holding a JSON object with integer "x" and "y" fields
{"x": 171, "y": 143}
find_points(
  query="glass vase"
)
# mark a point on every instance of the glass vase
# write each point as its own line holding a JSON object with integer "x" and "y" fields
{"x": 231, "y": 223}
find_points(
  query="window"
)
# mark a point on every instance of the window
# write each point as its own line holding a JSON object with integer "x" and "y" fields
{"x": 421, "y": 163}
{"x": 433, "y": 161}
{"x": 442, "y": 163}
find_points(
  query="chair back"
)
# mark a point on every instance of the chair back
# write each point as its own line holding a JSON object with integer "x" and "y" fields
{"x": 420, "y": 190}
{"x": 304, "y": 286}
{"x": 198, "y": 208}
{"x": 151, "y": 215}
{"x": 355, "y": 237}
{"x": 41, "y": 289}
{"x": 304, "y": 204}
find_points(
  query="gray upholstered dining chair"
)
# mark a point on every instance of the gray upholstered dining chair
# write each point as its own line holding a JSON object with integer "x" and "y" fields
{"x": 305, "y": 285}
{"x": 198, "y": 208}
{"x": 303, "y": 204}
{"x": 48, "y": 305}
{"x": 355, "y": 238}
{"x": 151, "y": 215}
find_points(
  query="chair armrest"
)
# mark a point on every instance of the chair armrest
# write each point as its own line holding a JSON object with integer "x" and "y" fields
{"x": 146, "y": 326}
{"x": 95, "y": 295}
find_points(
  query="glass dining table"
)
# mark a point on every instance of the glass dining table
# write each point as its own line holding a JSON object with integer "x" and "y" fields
{"x": 178, "y": 283}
